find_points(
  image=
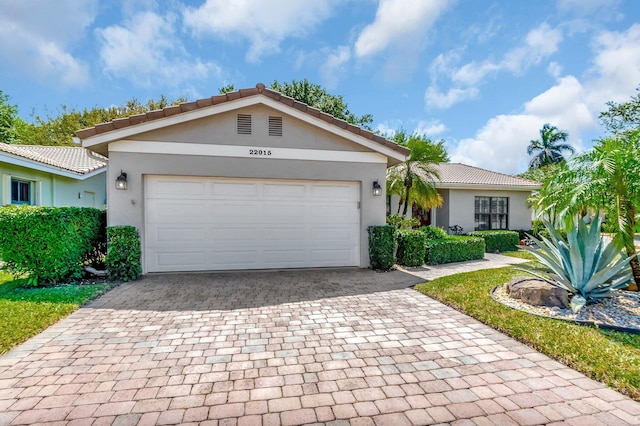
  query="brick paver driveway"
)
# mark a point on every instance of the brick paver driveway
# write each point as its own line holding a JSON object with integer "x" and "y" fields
{"x": 341, "y": 346}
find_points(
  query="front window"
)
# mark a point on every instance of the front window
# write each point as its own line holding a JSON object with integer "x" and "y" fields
{"x": 20, "y": 191}
{"x": 491, "y": 213}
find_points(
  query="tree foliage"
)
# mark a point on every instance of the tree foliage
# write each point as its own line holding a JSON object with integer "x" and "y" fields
{"x": 548, "y": 149}
{"x": 59, "y": 128}
{"x": 8, "y": 119}
{"x": 622, "y": 117}
{"x": 316, "y": 96}
{"x": 541, "y": 174}
{"x": 414, "y": 179}
{"x": 605, "y": 178}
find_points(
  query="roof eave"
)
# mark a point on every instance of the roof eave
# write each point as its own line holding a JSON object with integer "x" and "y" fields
{"x": 486, "y": 187}
{"x": 48, "y": 168}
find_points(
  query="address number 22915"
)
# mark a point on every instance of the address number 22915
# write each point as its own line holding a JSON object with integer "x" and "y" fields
{"x": 260, "y": 152}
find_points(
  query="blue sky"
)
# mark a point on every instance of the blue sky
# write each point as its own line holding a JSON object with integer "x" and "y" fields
{"x": 482, "y": 75}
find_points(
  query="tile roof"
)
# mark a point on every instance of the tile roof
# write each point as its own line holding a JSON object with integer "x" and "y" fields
{"x": 260, "y": 89}
{"x": 70, "y": 158}
{"x": 452, "y": 174}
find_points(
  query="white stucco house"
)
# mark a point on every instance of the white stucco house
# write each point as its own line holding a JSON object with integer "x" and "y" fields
{"x": 477, "y": 199}
{"x": 249, "y": 179}
{"x": 52, "y": 176}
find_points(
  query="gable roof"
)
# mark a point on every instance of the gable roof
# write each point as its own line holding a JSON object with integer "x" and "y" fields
{"x": 70, "y": 160}
{"x": 198, "y": 109}
{"x": 458, "y": 175}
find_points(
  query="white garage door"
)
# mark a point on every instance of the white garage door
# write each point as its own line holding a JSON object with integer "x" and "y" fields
{"x": 195, "y": 224}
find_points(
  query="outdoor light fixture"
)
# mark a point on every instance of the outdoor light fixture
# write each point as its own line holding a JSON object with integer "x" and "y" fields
{"x": 377, "y": 189}
{"x": 121, "y": 181}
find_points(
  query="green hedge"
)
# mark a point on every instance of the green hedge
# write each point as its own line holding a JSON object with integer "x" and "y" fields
{"x": 433, "y": 232}
{"x": 498, "y": 240}
{"x": 123, "y": 253}
{"x": 382, "y": 247}
{"x": 411, "y": 247}
{"x": 454, "y": 248}
{"x": 50, "y": 244}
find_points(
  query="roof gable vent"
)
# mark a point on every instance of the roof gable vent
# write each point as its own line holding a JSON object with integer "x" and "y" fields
{"x": 275, "y": 126}
{"x": 244, "y": 124}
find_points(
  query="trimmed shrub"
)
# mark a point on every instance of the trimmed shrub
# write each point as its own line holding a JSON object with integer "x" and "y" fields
{"x": 382, "y": 247}
{"x": 433, "y": 232}
{"x": 411, "y": 247}
{"x": 498, "y": 240}
{"x": 50, "y": 244}
{"x": 454, "y": 248}
{"x": 123, "y": 253}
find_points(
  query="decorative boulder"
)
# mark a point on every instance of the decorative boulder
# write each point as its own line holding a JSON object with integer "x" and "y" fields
{"x": 537, "y": 292}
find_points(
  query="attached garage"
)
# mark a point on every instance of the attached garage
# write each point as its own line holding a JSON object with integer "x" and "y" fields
{"x": 245, "y": 180}
{"x": 195, "y": 224}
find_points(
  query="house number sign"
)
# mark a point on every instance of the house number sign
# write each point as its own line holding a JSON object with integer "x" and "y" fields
{"x": 259, "y": 152}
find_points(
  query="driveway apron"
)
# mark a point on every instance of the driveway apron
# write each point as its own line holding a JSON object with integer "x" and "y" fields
{"x": 346, "y": 346}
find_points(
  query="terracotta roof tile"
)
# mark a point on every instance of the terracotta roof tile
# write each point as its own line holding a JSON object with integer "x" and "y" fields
{"x": 70, "y": 158}
{"x": 462, "y": 174}
{"x": 260, "y": 89}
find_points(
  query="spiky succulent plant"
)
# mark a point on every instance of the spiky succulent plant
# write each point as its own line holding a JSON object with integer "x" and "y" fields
{"x": 585, "y": 264}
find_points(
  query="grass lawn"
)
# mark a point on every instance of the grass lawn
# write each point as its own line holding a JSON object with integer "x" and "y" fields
{"x": 610, "y": 357}
{"x": 25, "y": 312}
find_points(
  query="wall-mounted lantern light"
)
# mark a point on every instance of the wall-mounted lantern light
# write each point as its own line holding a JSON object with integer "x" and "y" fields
{"x": 121, "y": 181}
{"x": 377, "y": 189}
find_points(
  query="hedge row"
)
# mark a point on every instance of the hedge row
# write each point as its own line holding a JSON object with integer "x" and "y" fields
{"x": 50, "y": 244}
{"x": 413, "y": 247}
{"x": 498, "y": 240}
{"x": 123, "y": 254}
{"x": 454, "y": 248}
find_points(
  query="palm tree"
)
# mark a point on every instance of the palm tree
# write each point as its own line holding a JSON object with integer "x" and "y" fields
{"x": 549, "y": 149}
{"x": 414, "y": 179}
{"x": 605, "y": 178}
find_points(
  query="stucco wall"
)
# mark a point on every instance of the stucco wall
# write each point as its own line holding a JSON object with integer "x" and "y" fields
{"x": 127, "y": 207}
{"x": 462, "y": 208}
{"x": 55, "y": 190}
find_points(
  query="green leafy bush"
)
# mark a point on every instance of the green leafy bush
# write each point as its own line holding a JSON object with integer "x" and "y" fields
{"x": 584, "y": 264}
{"x": 50, "y": 244}
{"x": 498, "y": 240}
{"x": 123, "y": 253}
{"x": 399, "y": 221}
{"x": 411, "y": 247}
{"x": 382, "y": 247}
{"x": 454, "y": 248}
{"x": 433, "y": 232}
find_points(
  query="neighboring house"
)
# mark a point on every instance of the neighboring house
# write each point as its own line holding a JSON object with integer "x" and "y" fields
{"x": 478, "y": 199}
{"x": 250, "y": 179}
{"x": 52, "y": 176}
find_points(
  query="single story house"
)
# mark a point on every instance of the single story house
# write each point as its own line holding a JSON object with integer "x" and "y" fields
{"x": 52, "y": 176}
{"x": 249, "y": 179}
{"x": 477, "y": 199}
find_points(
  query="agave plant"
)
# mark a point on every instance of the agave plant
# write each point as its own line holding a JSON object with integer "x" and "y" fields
{"x": 586, "y": 265}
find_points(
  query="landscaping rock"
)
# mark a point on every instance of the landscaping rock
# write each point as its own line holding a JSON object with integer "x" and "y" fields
{"x": 537, "y": 292}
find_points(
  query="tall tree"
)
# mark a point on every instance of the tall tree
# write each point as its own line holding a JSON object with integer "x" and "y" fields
{"x": 622, "y": 117}
{"x": 414, "y": 179}
{"x": 605, "y": 178}
{"x": 316, "y": 96}
{"x": 548, "y": 149}
{"x": 58, "y": 129}
{"x": 8, "y": 118}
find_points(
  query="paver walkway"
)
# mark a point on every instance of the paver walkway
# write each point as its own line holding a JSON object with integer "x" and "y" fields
{"x": 337, "y": 347}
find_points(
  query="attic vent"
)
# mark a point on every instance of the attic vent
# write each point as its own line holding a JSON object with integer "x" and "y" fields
{"x": 275, "y": 126}
{"x": 244, "y": 124}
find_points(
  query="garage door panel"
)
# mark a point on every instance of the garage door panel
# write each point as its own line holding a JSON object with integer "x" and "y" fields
{"x": 221, "y": 223}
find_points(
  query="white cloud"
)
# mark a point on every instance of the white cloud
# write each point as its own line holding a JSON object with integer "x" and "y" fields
{"x": 145, "y": 49}
{"x": 264, "y": 24}
{"x": 38, "y": 43}
{"x": 430, "y": 128}
{"x": 435, "y": 98}
{"x": 386, "y": 130}
{"x": 554, "y": 69}
{"x": 540, "y": 43}
{"x": 334, "y": 65}
{"x": 398, "y": 22}
{"x": 570, "y": 105}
